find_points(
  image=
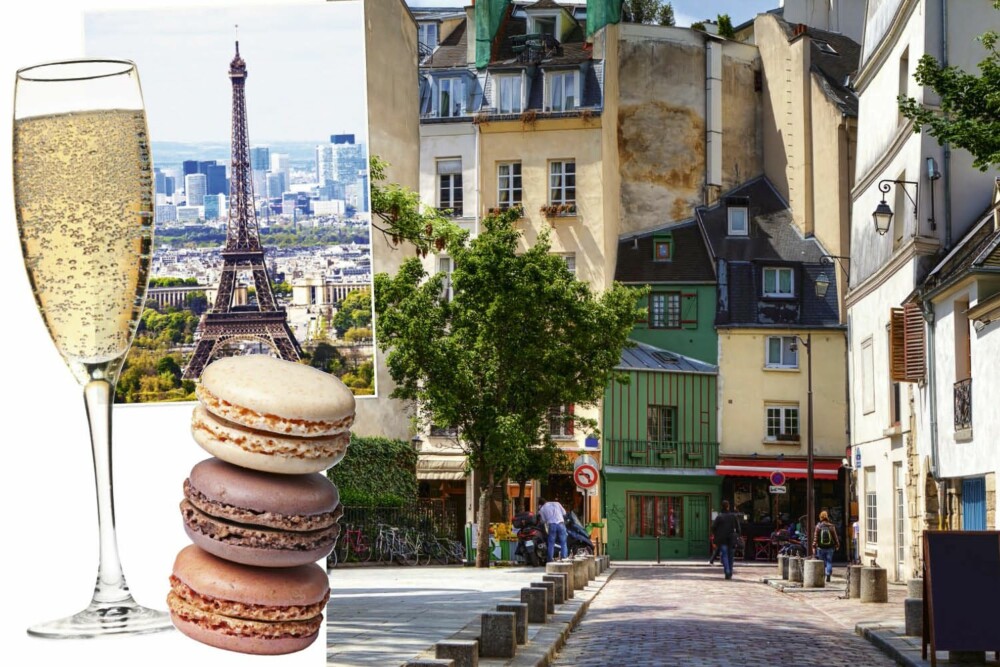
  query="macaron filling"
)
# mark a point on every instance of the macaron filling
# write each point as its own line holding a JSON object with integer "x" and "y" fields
{"x": 255, "y": 537}
{"x": 276, "y": 520}
{"x": 207, "y": 426}
{"x": 185, "y": 596}
{"x": 272, "y": 423}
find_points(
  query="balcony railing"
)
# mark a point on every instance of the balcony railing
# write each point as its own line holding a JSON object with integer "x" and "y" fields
{"x": 963, "y": 404}
{"x": 532, "y": 49}
{"x": 648, "y": 454}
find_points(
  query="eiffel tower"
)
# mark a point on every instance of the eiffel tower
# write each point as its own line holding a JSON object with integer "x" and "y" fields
{"x": 225, "y": 322}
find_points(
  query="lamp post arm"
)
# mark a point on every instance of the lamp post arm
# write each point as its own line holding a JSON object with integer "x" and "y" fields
{"x": 886, "y": 184}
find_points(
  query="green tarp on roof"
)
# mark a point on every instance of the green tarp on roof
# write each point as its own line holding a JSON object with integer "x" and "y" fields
{"x": 489, "y": 14}
{"x": 602, "y": 12}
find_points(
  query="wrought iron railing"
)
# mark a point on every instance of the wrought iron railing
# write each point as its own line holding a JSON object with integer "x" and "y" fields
{"x": 533, "y": 48}
{"x": 963, "y": 404}
{"x": 649, "y": 454}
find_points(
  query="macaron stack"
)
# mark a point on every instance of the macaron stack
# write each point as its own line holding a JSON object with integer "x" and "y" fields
{"x": 260, "y": 514}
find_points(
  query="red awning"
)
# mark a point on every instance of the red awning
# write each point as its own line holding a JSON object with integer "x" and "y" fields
{"x": 793, "y": 468}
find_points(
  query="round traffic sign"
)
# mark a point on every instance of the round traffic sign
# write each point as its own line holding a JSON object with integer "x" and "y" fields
{"x": 777, "y": 478}
{"x": 585, "y": 476}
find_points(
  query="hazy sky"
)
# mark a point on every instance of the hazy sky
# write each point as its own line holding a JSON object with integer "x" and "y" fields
{"x": 686, "y": 12}
{"x": 305, "y": 65}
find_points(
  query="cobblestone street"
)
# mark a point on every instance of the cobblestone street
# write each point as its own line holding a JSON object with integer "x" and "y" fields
{"x": 689, "y": 615}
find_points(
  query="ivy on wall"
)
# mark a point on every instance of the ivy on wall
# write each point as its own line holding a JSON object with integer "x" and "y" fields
{"x": 376, "y": 472}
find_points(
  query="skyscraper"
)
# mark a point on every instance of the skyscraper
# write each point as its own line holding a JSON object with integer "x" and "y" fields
{"x": 216, "y": 184}
{"x": 215, "y": 206}
{"x": 189, "y": 167}
{"x": 341, "y": 138}
{"x": 194, "y": 189}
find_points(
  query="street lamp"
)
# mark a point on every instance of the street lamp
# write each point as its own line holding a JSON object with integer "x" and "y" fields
{"x": 882, "y": 215}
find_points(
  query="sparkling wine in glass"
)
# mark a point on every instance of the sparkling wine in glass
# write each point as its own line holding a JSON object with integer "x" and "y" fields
{"x": 83, "y": 192}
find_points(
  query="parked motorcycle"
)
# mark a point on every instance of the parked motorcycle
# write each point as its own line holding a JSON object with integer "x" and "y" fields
{"x": 577, "y": 539}
{"x": 532, "y": 542}
{"x": 790, "y": 543}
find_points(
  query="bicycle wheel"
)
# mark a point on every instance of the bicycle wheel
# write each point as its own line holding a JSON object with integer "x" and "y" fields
{"x": 362, "y": 548}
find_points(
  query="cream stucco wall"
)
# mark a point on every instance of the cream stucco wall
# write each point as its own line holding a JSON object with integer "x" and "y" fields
{"x": 443, "y": 141}
{"x": 535, "y": 145}
{"x": 393, "y": 134}
{"x": 746, "y": 387}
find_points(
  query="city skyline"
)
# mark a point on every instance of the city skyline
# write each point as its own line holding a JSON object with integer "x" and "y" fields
{"x": 183, "y": 56}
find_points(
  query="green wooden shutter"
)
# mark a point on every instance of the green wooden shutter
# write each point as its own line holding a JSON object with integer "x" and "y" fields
{"x": 689, "y": 310}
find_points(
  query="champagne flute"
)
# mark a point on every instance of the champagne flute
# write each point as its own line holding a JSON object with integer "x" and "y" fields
{"x": 83, "y": 192}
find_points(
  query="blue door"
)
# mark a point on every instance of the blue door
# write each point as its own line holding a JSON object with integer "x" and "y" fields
{"x": 974, "y": 503}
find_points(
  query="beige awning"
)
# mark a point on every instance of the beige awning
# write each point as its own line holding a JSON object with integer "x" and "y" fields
{"x": 441, "y": 466}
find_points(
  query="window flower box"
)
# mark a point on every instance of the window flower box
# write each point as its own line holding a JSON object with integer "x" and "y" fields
{"x": 558, "y": 210}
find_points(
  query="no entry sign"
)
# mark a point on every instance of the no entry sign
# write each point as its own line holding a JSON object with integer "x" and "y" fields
{"x": 585, "y": 476}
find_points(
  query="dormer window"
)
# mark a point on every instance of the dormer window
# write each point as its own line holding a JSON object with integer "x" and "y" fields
{"x": 563, "y": 94}
{"x": 663, "y": 248}
{"x": 508, "y": 93}
{"x": 427, "y": 36}
{"x": 544, "y": 24}
{"x": 451, "y": 97}
{"x": 738, "y": 215}
{"x": 779, "y": 282}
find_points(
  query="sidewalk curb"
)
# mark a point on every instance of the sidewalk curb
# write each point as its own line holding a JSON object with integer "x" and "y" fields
{"x": 544, "y": 640}
{"x": 891, "y": 641}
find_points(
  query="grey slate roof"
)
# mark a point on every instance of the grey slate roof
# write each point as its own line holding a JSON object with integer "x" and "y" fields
{"x": 832, "y": 69}
{"x": 690, "y": 263}
{"x": 773, "y": 241}
{"x": 977, "y": 251}
{"x": 452, "y": 51}
{"x": 645, "y": 357}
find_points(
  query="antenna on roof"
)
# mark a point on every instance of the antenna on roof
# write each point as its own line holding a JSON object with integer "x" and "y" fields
{"x": 237, "y": 39}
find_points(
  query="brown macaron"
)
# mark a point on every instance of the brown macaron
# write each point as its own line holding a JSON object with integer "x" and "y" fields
{"x": 257, "y": 518}
{"x": 261, "y": 611}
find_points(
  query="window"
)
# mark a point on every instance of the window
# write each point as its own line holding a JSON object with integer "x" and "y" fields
{"x": 963, "y": 348}
{"x": 871, "y": 508}
{"x": 446, "y": 266}
{"x": 662, "y": 248}
{"x": 427, "y": 35}
{"x": 562, "y": 91}
{"x": 562, "y": 182}
{"x": 738, "y": 220}
{"x": 508, "y": 184}
{"x": 867, "y": 377}
{"x": 779, "y": 282}
{"x": 782, "y": 352}
{"x": 508, "y": 94}
{"x": 653, "y": 515}
{"x": 560, "y": 420}
{"x": 543, "y": 25}
{"x": 665, "y": 310}
{"x": 450, "y": 185}
{"x": 570, "y": 259}
{"x": 783, "y": 422}
{"x": 443, "y": 431}
{"x": 904, "y": 82}
{"x": 451, "y": 97}
{"x": 661, "y": 423}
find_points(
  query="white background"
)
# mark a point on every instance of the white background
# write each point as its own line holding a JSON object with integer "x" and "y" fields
{"x": 49, "y": 543}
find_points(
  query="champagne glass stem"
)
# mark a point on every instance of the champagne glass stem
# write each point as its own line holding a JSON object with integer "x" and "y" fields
{"x": 111, "y": 587}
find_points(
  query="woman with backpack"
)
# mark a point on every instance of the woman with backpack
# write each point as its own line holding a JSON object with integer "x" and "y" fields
{"x": 825, "y": 541}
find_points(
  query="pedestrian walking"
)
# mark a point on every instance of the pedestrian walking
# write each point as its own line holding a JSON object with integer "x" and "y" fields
{"x": 553, "y": 515}
{"x": 726, "y": 530}
{"x": 825, "y": 541}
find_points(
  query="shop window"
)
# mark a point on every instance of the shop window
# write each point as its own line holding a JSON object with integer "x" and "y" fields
{"x": 653, "y": 515}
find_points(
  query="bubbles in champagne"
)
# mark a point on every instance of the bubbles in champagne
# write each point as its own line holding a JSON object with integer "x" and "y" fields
{"x": 82, "y": 183}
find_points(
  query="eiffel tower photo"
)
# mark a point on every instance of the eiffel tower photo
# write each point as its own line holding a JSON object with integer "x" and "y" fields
{"x": 225, "y": 322}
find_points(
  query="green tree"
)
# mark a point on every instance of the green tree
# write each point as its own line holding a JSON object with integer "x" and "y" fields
{"x": 196, "y": 302}
{"x": 520, "y": 335}
{"x": 355, "y": 312}
{"x": 537, "y": 463}
{"x": 648, "y": 11}
{"x": 969, "y": 113}
{"x": 725, "y": 26}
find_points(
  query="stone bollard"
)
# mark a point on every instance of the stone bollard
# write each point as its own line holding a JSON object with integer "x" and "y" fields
{"x": 579, "y": 574}
{"x": 565, "y": 570}
{"x": 463, "y": 652}
{"x": 785, "y": 565}
{"x": 560, "y": 586}
{"x": 795, "y": 569}
{"x": 520, "y": 611}
{"x": 591, "y": 567}
{"x": 874, "y": 584}
{"x": 854, "y": 581}
{"x": 535, "y": 599}
{"x": 550, "y": 594}
{"x": 814, "y": 573}
{"x": 498, "y": 637}
{"x": 913, "y": 608}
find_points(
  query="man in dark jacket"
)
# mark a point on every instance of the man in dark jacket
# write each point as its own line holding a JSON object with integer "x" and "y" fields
{"x": 726, "y": 530}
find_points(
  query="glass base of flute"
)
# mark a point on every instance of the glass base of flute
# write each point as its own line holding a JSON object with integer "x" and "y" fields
{"x": 112, "y": 609}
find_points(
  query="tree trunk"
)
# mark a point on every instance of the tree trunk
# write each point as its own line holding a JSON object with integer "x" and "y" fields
{"x": 483, "y": 520}
{"x": 520, "y": 496}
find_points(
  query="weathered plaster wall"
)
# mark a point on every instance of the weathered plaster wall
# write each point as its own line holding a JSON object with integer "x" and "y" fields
{"x": 393, "y": 134}
{"x": 660, "y": 134}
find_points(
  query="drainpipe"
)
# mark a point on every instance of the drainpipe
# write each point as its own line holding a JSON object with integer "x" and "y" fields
{"x": 946, "y": 162}
{"x": 713, "y": 119}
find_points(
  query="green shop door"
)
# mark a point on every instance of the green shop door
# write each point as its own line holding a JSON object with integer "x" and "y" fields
{"x": 698, "y": 543}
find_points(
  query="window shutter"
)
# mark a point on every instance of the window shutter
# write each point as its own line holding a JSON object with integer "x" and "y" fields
{"x": 569, "y": 421}
{"x": 915, "y": 360}
{"x": 897, "y": 346}
{"x": 689, "y": 310}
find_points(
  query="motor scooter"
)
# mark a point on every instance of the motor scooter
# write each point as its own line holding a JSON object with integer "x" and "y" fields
{"x": 532, "y": 542}
{"x": 577, "y": 539}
